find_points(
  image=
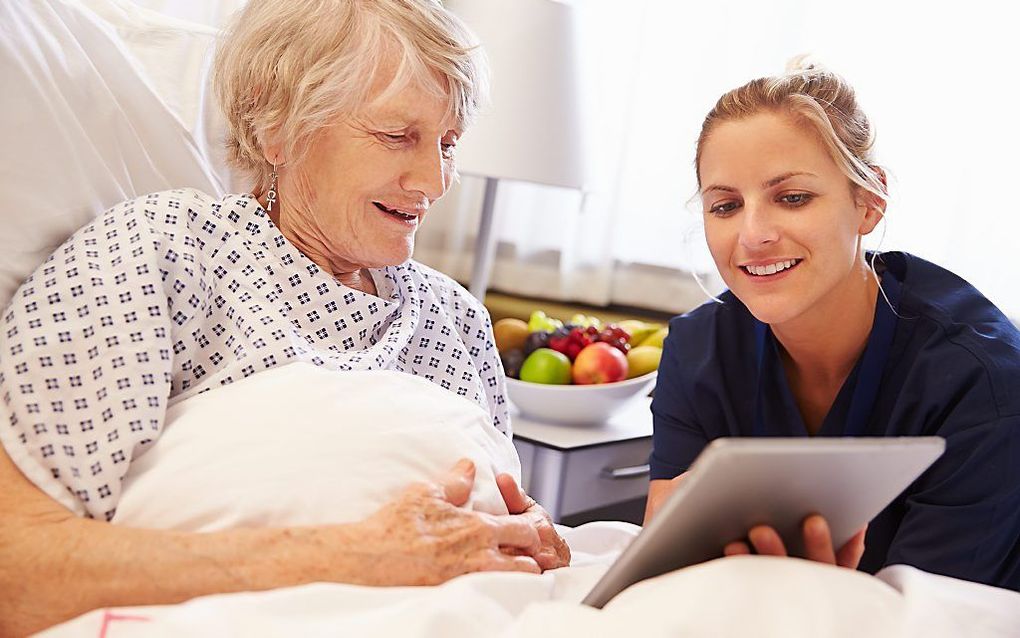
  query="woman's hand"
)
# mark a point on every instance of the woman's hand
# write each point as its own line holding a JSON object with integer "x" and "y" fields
{"x": 554, "y": 551}
{"x": 658, "y": 492}
{"x": 424, "y": 537}
{"x": 817, "y": 544}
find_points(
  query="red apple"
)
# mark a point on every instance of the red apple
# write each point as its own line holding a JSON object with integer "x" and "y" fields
{"x": 599, "y": 363}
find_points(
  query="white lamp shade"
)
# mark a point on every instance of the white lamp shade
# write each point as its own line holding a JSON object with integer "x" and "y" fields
{"x": 532, "y": 129}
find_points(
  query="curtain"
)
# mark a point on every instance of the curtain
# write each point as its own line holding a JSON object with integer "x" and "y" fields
{"x": 935, "y": 79}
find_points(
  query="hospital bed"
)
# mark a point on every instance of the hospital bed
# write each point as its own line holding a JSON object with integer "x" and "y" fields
{"x": 103, "y": 101}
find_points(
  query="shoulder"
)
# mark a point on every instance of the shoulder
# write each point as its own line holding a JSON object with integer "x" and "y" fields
{"x": 954, "y": 328}
{"x": 713, "y": 330}
{"x": 186, "y": 212}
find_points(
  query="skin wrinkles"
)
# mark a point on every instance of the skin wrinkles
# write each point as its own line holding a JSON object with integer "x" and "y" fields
{"x": 327, "y": 203}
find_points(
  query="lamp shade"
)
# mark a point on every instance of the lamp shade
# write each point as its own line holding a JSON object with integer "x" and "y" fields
{"x": 531, "y": 130}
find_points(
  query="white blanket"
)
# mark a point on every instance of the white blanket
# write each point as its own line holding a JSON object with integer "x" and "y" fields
{"x": 747, "y": 596}
{"x": 341, "y": 444}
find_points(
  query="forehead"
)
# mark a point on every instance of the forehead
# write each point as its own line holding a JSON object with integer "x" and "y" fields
{"x": 412, "y": 105}
{"x": 405, "y": 96}
{"x": 760, "y": 147}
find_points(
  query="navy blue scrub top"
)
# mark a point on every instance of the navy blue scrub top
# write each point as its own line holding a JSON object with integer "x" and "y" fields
{"x": 947, "y": 363}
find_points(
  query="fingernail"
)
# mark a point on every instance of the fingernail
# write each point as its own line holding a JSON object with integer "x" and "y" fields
{"x": 465, "y": 465}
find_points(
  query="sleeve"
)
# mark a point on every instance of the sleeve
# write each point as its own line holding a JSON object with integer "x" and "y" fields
{"x": 676, "y": 441}
{"x": 962, "y": 517}
{"x": 85, "y": 362}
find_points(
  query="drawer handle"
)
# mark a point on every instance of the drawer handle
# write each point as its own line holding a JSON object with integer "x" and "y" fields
{"x": 616, "y": 473}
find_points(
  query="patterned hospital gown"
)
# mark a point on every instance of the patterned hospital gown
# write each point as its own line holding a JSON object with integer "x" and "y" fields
{"x": 175, "y": 293}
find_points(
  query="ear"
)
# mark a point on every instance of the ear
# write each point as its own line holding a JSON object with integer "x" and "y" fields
{"x": 272, "y": 149}
{"x": 872, "y": 206}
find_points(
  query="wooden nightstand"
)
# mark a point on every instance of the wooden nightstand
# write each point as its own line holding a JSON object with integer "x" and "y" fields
{"x": 571, "y": 469}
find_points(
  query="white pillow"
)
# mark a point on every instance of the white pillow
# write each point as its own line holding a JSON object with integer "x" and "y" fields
{"x": 82, "y": 130}
{"x": 301, "y": 445}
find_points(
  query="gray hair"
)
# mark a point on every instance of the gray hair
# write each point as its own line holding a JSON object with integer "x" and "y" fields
{"x": 286, "y": 69}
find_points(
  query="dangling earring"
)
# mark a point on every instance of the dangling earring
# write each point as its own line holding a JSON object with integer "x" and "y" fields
{"x": 271, "y": 194}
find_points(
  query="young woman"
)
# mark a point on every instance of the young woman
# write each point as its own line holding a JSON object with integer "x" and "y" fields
{"x": 817, "y": 338}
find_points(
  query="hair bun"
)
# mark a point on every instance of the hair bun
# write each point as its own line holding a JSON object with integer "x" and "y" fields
{"x": 802, "y": 63}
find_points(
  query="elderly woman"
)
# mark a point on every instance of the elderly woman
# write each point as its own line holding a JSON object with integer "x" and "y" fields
{"x": 346, "y": 115}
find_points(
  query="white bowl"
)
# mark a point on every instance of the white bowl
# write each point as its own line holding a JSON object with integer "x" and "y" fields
{"x": 577, "y": 404}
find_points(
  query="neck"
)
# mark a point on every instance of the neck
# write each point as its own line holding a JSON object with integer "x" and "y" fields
{"x": 824, "y": 344}
{"x": 349, "y": 275}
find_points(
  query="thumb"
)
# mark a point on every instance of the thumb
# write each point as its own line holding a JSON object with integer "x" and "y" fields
{"x": 457, "y": 483}
{"x": 514, "y": 497}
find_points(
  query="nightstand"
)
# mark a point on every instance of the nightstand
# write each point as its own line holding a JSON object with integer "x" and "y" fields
{"x": 571, "y": 469}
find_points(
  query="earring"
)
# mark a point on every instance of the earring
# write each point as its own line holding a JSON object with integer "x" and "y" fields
{"x": 271, "y": 193}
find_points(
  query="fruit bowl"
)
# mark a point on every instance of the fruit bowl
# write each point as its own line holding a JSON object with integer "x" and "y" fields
{"x": 577, "y": 404}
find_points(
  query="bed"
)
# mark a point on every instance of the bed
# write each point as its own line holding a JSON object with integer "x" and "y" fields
{"x": 105, "y": 101}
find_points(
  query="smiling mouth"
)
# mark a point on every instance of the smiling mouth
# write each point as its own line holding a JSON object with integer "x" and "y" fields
{"x": 395, "y": 213}
{"x": 771, "y": 269}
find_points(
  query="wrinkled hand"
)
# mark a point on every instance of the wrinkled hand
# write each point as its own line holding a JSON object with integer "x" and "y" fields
{"x": 554, "y": 551}
{"x": 424, "y": 537}
{"x": 817, "y": 544}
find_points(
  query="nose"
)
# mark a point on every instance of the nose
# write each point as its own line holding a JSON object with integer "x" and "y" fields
{"x": 427, "y": 173}
{"x": 758, "y": 228}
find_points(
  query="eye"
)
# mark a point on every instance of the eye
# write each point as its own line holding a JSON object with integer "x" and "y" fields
{"x": 796, "y": 200}
{"x": 448, "y": 148}
{"x": 392, "y": 138}
{"x": 723, "y": 209}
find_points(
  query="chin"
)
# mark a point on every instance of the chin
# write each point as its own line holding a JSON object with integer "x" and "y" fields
{"x": 773, "y": 311}
{"x": 394, "y": 255}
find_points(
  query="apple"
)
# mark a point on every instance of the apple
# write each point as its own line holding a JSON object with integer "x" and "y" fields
{"x": 599, "y": 363}
{"x": 546, "y": 366}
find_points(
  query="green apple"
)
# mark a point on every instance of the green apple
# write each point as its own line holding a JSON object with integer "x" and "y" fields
{"x": 546, "y": 365}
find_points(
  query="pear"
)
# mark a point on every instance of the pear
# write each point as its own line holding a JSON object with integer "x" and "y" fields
{"x": 638, "y": 330}
{"x": 642, "y": 360}
{"x": 656, "y": 338}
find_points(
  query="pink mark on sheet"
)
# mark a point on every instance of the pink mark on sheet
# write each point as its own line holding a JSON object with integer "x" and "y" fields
{"x": 110, "y": 616}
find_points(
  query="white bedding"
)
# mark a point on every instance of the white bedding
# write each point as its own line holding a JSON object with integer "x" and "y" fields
{"x": 343, "y": 443}
{"x": 747, "y": 596}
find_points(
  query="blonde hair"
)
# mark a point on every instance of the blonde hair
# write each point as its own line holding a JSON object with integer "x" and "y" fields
{"x": 818, "y": 98}
{"x": 286, "y": 69}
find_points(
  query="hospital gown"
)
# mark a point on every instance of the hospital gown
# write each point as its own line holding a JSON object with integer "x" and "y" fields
{"x": 174, "y": 293}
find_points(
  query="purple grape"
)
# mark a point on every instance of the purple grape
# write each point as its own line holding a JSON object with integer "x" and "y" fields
{"x": 535, "y": 341}
{"x": 512, "y": 362}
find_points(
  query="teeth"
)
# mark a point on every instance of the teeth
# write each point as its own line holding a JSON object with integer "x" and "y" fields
{"x": 395, "y": 212}
{"x": 771, "y": 269}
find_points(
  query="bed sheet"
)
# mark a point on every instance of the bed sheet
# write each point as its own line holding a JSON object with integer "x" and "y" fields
{"x": 741, "y": 596}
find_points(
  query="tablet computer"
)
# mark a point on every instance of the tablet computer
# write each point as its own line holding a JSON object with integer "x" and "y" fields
{"x": 738, "y": 483}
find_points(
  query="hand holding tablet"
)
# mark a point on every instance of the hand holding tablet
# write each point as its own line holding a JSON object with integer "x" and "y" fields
{"x": 737, "y": 485}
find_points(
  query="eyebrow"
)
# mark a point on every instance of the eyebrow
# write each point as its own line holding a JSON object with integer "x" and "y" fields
{"x": 769, "y": 183}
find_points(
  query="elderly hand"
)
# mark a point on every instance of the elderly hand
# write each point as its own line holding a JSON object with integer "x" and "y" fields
{"x": 424, "y": 537}
{"x": 554, "y": 551}
{"x": 817, "y": 544}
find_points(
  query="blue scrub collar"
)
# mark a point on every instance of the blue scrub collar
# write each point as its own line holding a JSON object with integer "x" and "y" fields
{"x": 871, "y": 364}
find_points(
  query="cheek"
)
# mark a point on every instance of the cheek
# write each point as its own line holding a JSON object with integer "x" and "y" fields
{"x": 719, "y": 239}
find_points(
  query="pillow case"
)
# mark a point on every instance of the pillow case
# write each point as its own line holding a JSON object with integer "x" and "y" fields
{"x": 302, "y": 445}
{"x": 83, "y": 129}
